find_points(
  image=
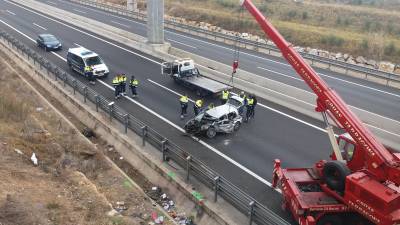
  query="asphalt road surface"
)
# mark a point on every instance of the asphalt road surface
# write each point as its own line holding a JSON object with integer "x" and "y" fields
{"x": 245, "y": 157}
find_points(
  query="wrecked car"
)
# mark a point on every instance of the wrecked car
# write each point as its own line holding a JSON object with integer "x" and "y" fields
{"x": 221, "y": 119}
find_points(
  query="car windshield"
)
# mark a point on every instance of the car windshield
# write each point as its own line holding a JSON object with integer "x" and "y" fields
{"x": 234, "y": 102}
{"x": 49, "y": 38}
{"x": 93, "y": 61}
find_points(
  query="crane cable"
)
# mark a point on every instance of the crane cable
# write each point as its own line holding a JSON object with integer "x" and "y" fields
{"x": 236, "y": 51}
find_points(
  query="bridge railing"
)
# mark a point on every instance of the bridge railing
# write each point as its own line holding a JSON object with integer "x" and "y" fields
{"x": 249, "y": 44}
{"x": 170, "y": 151}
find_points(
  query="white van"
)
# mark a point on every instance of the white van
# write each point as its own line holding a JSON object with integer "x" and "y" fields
{"x": 79, "y": 58}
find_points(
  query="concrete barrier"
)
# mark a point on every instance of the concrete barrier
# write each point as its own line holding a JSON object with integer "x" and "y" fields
{"x": 386, "y": 129}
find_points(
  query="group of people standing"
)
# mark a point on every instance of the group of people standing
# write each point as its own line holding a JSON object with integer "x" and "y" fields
{"x": 119, "y": 83}
{"x": 250, "y": 103}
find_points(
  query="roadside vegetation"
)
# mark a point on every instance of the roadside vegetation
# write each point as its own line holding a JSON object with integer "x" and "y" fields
{"x": 369, "y": 28}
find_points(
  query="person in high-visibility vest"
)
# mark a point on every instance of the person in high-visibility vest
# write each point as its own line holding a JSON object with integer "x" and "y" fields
{"x": 244, "y": 97}
{"x": 133, "y": 84}
{"x": 211, "y": 106}
{"x": 184, "y": 100}
{"x": 197, "y": 106}
{"x": 249, "y": 107}
{"x": 88, "y": 70}
{"x": 122, "y": 84}
{"x": 116, "y": 84}
{"x": 224, "y": 96}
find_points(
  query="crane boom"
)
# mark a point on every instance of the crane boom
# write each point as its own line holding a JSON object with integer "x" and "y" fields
{"x": 329, "y": 100}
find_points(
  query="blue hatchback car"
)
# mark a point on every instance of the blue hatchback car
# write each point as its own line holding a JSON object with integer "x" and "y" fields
{"x": 49, "y": 42}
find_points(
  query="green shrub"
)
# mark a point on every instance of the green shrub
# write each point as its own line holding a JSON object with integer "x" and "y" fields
{"x": 332, "y": 40}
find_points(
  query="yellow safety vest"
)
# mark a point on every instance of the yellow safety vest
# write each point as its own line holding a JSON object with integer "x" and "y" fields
{"x": 250, "y": 101}
{"x": 134, "y": 82}
{"x": 88, "y": 69}
{"x": 225, "y": 94}
{"x": 199, "y": 103}
{"x": 211, "y": 106}
{"x": 123, "y": 78}
{"x": 120, "y": 80}
{"x": 184, "y": 99}
{"x": 115, "y": 81}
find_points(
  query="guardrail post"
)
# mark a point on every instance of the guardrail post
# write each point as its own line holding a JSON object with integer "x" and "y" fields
{"x": 216, "y": 187}
{"x": 97, "y": 100}
{"x": 164, "y": 150}
{"x": 126, "y": 122}
{"x": 74, "y": 86}
{"x": 85, "y": 92}
{"x": 251, "y": 212}
{"x": 144, "y": 134}
{"x": 65, "y": 79}
{"x": 188, "y": 159}
{"x": 111, "y": 109}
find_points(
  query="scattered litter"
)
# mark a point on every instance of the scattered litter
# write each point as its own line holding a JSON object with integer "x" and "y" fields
{"x": 111, "y": 149}
{"x": 121, "y": 207}
{"x": 34, "y": 159}
{"x": 112, "y": 212}
{"x": 38, "y": 109}
{"x": 87, "y": 132}
{"x": 159, "y": 220}
{"x": 164, "y": 196}
{"x": 121, "y": 158}
{"x": 172, "y": 175}
{"x": 18, "y": 151}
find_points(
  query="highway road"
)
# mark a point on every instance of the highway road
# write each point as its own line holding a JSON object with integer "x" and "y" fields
{"x": 245, "y": 157}
{"x": 362, "y": 94}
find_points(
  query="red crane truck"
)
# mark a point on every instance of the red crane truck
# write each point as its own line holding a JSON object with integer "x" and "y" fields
{"x": 361, "y": 182}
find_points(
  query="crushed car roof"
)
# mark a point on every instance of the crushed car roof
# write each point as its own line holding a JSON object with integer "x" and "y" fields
{"x": 221, "y": 110}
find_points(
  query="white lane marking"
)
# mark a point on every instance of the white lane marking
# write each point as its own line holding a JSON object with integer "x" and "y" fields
{"x": 295, "y": 78}
{"x": 79, "y": 11}
{"x": 121, "y": 24}
{"x": 39, "y": 26}
{"x": 170, "y": 90}
{"x": 53, "y": 3}
{"x": 10, "y": 12}
{"x": 83, "y": 32}
{"x": 334, "y": 78}
{"x": 181, "y": 43}
{"x": 77, "y": 45}
{"x": 360, "y": 85}
{"x": 209, "y": 43}
{"x": 170, "y": 123}
{"x": 262, "y": 105}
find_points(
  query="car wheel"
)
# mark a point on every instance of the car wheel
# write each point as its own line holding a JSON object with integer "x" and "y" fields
{"x": 237, "y": 126}
{"x": 211, "y": 132}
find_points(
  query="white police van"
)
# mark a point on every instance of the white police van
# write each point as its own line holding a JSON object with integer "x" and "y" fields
{"x": 79, "y": 58}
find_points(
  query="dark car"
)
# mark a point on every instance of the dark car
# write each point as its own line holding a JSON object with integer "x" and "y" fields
{"x": 48, "y": 42}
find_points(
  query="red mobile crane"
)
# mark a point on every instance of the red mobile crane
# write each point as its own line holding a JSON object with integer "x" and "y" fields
{"x": 361, "y": 184}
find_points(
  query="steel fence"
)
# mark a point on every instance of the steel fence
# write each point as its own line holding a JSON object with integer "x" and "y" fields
{"x": 245, "y": 43}
{"x": 194, "y": 168}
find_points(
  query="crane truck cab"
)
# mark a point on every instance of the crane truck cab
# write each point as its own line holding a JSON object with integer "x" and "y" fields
{"x": 180, "y": 68}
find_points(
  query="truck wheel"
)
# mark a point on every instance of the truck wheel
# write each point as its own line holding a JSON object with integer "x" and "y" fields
{"x": 237, "y": 126}
{"x": 330, "y": 219}
{"x": 211, "y": 132}
{"x": 335, "y": 174}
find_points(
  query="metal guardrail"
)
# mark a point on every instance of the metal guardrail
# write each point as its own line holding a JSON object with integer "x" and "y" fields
{"x": 245, "y": 43}
{"x": 222, "y": 187}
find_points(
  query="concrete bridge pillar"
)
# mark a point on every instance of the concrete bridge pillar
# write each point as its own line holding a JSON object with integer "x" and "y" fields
{"x": 155, "y": 21}
{"x": 131, "y": 5}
